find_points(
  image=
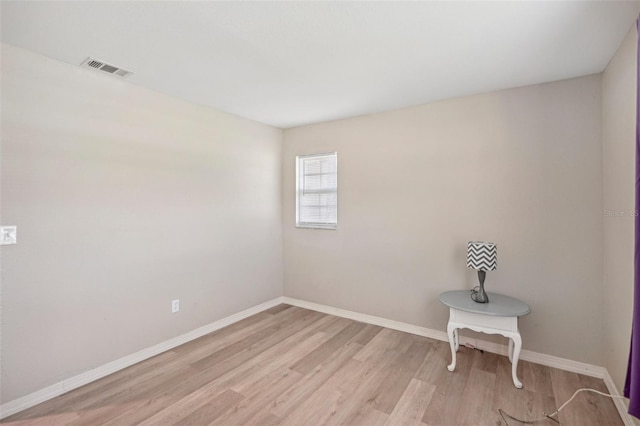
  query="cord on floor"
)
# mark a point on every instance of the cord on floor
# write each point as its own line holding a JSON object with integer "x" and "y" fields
{"x": 470, "y": 346}
{"x": 555, "y": 413}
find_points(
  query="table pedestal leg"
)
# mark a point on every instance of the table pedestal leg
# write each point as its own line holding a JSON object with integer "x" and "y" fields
{"x": 453, "y": 342}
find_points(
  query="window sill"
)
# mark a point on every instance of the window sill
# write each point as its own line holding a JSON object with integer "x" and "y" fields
{"x": 319, "y": 227}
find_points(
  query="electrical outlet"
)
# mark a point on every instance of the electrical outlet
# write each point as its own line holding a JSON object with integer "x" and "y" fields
{"x": 8, "y": 235}
{"x": 175, "y": 306}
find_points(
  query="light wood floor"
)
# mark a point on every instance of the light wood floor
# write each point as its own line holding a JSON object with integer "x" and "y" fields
{"x": 292, "y": 366}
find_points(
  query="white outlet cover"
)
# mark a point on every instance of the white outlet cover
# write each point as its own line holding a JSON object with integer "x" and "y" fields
{"x": 8, "y": 235}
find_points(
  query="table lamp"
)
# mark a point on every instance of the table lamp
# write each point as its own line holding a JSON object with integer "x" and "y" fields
{"x": 481, "y": 257}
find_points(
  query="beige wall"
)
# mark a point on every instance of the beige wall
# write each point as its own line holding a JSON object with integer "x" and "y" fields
{"x": 618, "y": 130}
{"x": 521, "y": 167}
{"x": 124, "y": 200}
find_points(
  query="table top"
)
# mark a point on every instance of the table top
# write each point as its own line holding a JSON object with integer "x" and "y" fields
{"x": 499, "y": 305}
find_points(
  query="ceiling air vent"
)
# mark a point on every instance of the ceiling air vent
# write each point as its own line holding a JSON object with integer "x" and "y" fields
{"x": 108, "y": 68}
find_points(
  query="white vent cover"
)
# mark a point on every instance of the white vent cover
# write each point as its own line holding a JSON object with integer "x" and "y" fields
{"x": 103, "y": 66}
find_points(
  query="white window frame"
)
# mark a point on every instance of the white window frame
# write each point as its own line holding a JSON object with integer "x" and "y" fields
{"x": 300, "y": 188}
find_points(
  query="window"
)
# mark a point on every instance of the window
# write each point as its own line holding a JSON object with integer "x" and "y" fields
{"x": 317, "y": 191}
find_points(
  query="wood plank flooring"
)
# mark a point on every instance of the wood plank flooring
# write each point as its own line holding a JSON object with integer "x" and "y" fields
{"x": 292, "y": 366}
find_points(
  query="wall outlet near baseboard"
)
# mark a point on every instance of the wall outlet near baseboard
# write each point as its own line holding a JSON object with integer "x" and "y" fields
{"x": 8, "y": 235}
{"x": 175, "y": 306}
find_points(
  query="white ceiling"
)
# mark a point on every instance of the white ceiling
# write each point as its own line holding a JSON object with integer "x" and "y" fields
{"x": 293, "y": 63}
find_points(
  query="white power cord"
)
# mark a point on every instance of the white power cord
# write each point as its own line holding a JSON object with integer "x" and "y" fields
{"x": 555, "y": 413}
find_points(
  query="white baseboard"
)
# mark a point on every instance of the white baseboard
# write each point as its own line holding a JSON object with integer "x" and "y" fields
{"x": 536, "y": 357}
{"x": 64, "y": 386}
{"x": 369, "y": 319}
{"x": 621, "y": 404}
{"x": 71, "y": 383}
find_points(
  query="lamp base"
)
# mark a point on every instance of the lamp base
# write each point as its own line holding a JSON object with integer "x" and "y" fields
{"x": 480, "y": 296}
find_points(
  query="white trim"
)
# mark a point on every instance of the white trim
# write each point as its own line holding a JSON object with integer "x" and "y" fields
{"x": 369, "y": 319}
{"x": 71, "y": 383}
{"x": 538, "y": 358}
{"x": 621, "y": 404}
{"x": 74, "y": 382}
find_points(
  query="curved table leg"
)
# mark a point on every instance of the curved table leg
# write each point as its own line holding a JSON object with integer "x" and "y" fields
{"x": 452, "y": 333}
{"x": 510, "y": 350}
{"x": 457, "y": 339}
{"x": 517, "y": 345}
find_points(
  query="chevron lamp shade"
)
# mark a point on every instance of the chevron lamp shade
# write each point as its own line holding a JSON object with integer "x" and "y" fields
{"x": 482, "y": 256}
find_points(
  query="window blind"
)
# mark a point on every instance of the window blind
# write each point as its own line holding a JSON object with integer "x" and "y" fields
{"x": 317, "y": 191}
